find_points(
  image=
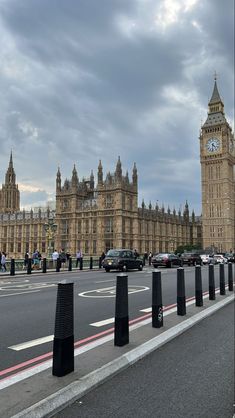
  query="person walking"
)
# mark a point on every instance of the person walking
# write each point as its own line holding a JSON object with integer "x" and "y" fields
{"x": 55, "y": 255}
{"x": 78, "y": 257}
{"x": 62, "y": 257}
{"x": 26, "y": 260}
{"x": 3, "y": 261}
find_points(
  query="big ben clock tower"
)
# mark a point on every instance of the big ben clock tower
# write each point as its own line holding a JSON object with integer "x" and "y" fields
{"x": 217, "y": 155}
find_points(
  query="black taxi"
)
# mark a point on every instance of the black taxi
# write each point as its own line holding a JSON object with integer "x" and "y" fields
{"x": 122, "y": 260}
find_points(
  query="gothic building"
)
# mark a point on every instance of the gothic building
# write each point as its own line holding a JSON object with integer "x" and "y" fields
{"x": 94, "y": 218}
{"x": 217, "y": 152}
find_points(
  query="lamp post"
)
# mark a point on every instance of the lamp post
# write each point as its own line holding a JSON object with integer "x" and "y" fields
{"x": 50, "y": 228}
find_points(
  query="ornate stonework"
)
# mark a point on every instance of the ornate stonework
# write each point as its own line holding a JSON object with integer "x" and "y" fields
{"x": 217, "y": 152}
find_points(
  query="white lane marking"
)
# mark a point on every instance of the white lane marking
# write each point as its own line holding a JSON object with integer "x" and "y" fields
{"x": 28, "y": 286}
{"x": 109, "y": 292}
{"x": 19, "y": 293}
{"x": 146, "y": 310}
{"x": 102, "y": 323}
{"x": 105, "y": 281}
{"x": 32, "y": 343}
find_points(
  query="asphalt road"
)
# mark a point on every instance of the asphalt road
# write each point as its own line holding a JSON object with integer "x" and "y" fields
{"x": 191, "y": 376}
{"x": 28, "y": 303}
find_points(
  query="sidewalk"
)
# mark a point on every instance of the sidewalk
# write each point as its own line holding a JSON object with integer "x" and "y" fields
{"x": 40, "y": 395}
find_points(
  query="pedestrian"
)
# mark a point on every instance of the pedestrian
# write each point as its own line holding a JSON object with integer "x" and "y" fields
{"x": 55, "y": 255}
{"x": 102, "y": 256}
{"x": 136, "y": 254}
{"x": 79, "y": 256}
{"x": 150, "y": 258}
{"x": 26, "y": 260}
{"x": 3, "y": 261}
{"x": 62, "y": 257}
{"x": 35, "y": 260}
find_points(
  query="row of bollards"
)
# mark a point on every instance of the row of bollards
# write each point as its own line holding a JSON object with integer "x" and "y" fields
{"x": 57, "y": 265}
{"x": 63, "y": 345}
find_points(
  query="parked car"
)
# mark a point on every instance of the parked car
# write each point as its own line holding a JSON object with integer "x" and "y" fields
{"x": 192, "y": 259}
{"x": 121, "y": 259}
{"x": 219, "y": 258}
{"x": 206, "y": 258}
{"x": 166, "y": 260}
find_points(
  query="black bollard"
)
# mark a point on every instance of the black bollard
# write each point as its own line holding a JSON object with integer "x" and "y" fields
{"x": 29, "y": 266}
{"x": 121, "y": 333}
{"x": 181, "y": 301}
{"x": 12, "y": 267}
{"x": 211, "y": 282}
{"x": 91, "y": 263}
{"x": 198, "y": 286}
{"x": 70, "y": 264}
{"x": 44, "y": 265}
{"x": 222, "y": 279}
{"x": 230, "y": 277}
{"x": 63, "y": 345}
{"x": 58, "y": 265}
{"x": 100, "y": 262}
{"x": 157, "y": 311}
{"x": 81, "y": 263}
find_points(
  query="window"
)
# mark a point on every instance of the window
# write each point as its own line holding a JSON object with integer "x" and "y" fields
{"x": 123, "y": 201}
{"x": 94, "y": 226}
{"x": 86, "y": 247}
{"x": 19, "y": 247}
{"x": 79, "y": 227}
{"x": 108, "y": 201}
{"x": 87, "y": 226}
{"x": 108, "y": 227}
{"x": 94, "y": 247}
{"x": 64, "y": 227}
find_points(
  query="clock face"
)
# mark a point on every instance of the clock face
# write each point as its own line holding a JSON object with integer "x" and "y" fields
{"x": 213, "y": 144}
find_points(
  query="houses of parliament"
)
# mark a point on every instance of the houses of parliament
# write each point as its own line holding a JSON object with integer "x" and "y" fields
{"x": 98, "y": 215}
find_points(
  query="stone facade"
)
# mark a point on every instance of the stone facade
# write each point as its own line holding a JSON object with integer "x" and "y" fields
{"x": 217, "y": 152}
{"x": 95, "y": 219}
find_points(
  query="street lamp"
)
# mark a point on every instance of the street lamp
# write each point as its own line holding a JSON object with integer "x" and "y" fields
{"x": 50, "y": 228}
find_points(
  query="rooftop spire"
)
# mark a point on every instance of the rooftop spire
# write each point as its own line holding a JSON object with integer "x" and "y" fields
{"x": 215, "y": 98}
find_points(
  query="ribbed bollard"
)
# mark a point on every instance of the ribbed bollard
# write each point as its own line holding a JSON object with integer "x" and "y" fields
{"x": 81, "y": 263}
{"x": 222, "y": 279}
{"x": 211, "y": 282}
{"x": 63, "y": 345}
{"x": 70, "y": 264}
{"x": 58, "y": 265}
{"x": 198, "y": 286}
{"x": 44, "y": 265}
{"x": 29, "y": 266}
{"x": 230, "y": 277}
{"x": 157, "y": 311}
{"x": 91, "y": 263}
{"x": 12, "y": 267}
{"x": 121, "y": 333}
{"x": 181, "y": 300}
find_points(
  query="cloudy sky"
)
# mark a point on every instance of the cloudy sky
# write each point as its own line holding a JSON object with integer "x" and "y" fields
{"x": 84, "y": 80}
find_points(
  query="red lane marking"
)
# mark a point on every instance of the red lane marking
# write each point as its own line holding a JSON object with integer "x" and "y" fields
{"x": 39, "y": 359}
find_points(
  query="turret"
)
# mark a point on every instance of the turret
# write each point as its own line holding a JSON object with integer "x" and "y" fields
{"x": 100, "y": 174}
{"x": 134, "y": 175}
{"x": 58, "y": 180}
{"x": 92, "y": 182}
{"x": 74, "y": 181}
{"x": 118, "y": 172}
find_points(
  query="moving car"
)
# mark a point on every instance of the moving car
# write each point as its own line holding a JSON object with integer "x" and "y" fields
{"x": 219, "y": 258}
{"x": 166, "y": 259}
{"x": 206, "y": 258}
{"x": 122, "y": 260}
{"x": 192, "y": 259}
